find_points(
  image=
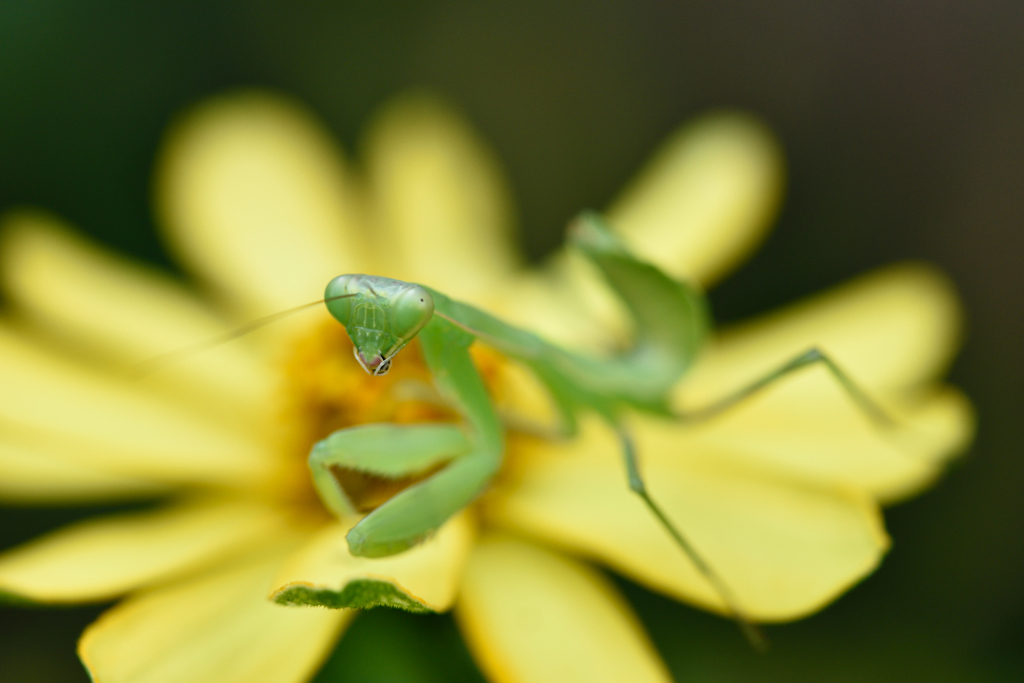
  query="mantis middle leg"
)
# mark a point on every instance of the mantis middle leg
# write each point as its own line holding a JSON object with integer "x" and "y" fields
{"x": 637, "y": 485}
{"x": 861, "y": 399}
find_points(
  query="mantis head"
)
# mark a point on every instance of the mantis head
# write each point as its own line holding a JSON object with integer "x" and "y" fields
{"x": 381, "y": 316}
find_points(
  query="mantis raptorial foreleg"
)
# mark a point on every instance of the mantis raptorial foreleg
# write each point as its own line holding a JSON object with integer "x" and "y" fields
{"x": 473, "y": 454}
{"x": 410, "y": 517}
{"x": 389, "y": 451}
{"x": 813, "y": 355}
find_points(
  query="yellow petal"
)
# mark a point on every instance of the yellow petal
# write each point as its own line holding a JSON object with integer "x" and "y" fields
{"x": 440, "y": 200}
{"x": 105, "y": 557}
{"x": 565, "y": 302}
{"x": 118, "y": 426}
{"x": 785, "y": 548}
{"x": 422, "y": 579}
{"x": 531, "y": 615}
{"x": 216, "y": 628}
{"x": 894, "y": 329}
{"x": 255, "y": 198}
{"x": 830, "y": 441}
{"x": 701, "y": 205}
{"x": 44, "y": 475}
{"x": 706, "y": 198}
{"x": 519, "y": 397}
{"x": 129, "y": 314}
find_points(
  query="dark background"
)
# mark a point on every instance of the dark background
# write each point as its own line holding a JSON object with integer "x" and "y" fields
{"x": 903, "y": 124}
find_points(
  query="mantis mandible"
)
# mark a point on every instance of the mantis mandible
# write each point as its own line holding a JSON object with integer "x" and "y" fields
{"x": 382, "y": 315}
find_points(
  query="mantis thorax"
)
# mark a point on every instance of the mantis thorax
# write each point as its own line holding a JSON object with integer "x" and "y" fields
{"x": 381, "y": 315}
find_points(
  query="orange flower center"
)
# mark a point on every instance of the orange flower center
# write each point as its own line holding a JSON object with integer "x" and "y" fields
{"x": 328, "y": 391}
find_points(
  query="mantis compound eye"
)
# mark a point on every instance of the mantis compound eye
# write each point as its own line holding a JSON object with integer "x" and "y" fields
{"x": 337, "y": 296}
{"x": 410, "y": 311}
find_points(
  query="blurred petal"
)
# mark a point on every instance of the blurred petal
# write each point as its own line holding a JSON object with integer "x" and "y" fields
{"x": 440, "y": 200}
{"x": 893, "y": 332}
{"x": 521, "y": 399}
{"x": 102, "y": 558}
{"x": 44, "y": 476}
{"x": 116, "y": 425}
{"x": 566, "y": 302}
{"x": 129, "y": 314}
{"x": 255, "y": 198}
{"x": 706, "y": 198}
{"x": 785, "y": 548}
{"x": 217, "y": 628}
{"x": 700, "y": 207}
{"x": 422, "y": 579}
{"x": 894, "y": 329}
{"x": 531, "y": 615}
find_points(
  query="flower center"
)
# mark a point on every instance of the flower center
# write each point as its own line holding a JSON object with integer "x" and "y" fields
{"x": 327, "y": 391}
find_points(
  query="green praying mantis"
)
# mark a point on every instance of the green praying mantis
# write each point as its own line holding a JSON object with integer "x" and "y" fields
{"x": 382, "y": 315}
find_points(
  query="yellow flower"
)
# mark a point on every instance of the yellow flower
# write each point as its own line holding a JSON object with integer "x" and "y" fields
{"x": 781, "y": 494}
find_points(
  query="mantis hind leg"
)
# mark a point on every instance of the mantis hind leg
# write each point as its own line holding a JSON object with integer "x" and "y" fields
{"x": 860, "y": 398}
{"x": 637, "y": 485}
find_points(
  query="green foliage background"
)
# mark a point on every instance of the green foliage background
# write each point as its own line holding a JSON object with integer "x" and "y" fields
{"x": 903, "y": 124}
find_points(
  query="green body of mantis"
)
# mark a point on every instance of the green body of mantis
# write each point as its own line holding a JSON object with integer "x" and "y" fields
{"x": 382, "y": 315}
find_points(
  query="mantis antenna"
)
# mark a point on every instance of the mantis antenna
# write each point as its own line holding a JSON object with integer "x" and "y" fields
{"x": 156, "y": 363}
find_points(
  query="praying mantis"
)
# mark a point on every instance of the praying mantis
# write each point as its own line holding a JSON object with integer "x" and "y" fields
{"x": 382, "y": 315}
